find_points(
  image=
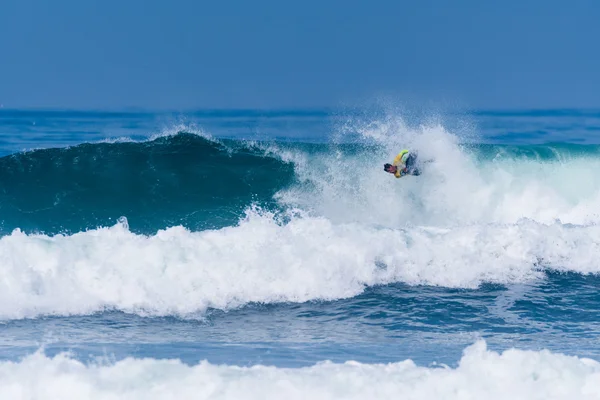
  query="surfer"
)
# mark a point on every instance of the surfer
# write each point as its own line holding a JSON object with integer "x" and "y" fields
{"x": 404, "y": 164}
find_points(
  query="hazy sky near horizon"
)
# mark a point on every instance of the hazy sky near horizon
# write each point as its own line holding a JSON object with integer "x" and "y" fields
{"x": 186, "y": 54}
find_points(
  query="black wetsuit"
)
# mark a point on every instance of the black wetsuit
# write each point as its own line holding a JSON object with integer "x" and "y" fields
{"x": 411, "y": 165}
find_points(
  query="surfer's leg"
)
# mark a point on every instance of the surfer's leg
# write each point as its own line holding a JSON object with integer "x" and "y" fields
{"x": 411, "y": 162}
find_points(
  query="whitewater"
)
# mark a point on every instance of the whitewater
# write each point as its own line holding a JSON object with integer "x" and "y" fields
{"x": 480, "y": 373}
{"x": 178, "y": 272}
{"x": 200, "y": 243}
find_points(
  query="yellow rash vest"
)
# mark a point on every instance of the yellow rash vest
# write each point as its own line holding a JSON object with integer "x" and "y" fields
{"x": 400, "y": 162}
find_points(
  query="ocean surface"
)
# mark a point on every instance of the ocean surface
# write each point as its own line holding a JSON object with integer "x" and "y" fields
{"x": 266, "y": 254}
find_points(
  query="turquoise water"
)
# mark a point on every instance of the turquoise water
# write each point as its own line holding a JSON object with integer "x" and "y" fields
{"x": 276, "y": 238}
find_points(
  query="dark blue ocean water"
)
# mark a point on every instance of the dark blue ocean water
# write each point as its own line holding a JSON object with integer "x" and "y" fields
{"x": 275, "y": 237}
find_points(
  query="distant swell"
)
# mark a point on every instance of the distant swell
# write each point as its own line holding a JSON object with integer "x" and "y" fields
{"x": 183, "y": 179}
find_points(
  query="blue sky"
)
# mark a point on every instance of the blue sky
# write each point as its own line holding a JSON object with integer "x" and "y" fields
{"x": 185, "y": 54}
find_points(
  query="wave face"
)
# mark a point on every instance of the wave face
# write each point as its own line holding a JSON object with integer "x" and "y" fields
{"x": 202, "y": 183}
{"x": 183, "y": 179}
{"x": 480, "y": 374}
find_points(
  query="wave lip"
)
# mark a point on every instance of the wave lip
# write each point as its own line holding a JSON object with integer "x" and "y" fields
{"x": 480, "y": 374}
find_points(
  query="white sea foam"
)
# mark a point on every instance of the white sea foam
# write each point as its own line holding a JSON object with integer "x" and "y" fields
{"x": 455, "y": 189}
{"x": 481, "y": 374}
{"x": 181, "y": 272}
{"x": 460, "y": 224}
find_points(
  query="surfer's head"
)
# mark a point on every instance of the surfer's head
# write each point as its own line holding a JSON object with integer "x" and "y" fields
{"x": 390, "y": 168}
